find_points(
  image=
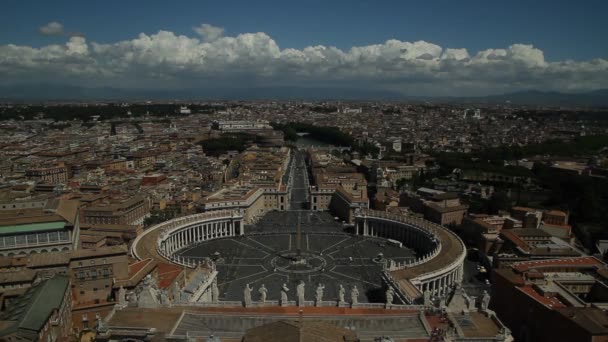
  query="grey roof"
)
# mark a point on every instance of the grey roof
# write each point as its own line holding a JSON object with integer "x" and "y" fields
{"x": 32, "y": 310}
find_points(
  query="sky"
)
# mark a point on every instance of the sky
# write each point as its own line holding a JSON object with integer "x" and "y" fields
{"x": 408, "y": 47}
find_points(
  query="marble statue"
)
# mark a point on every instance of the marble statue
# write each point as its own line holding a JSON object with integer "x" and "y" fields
{"x": 390, "y": 294}
{"x": 247, "y": 295}
{"x": 164, "y": 299}
{"x": 263, "y": 293}
{"x": 148, "y": 296}
{"x": 426, "y": 298}
{"x": 471, "y": 303}
{"x": 485, "y": 300}
{"x": 300, "y": 292}
{"x": 354, "y": 295}
{"x": 341, "y": 294}
{"x": 122, "y": 299}
{"x": 132, "y": 297}
{"x": 284, "y": 299}
{"x": 319, "y": 293}
{"x": 215, "y": 292}
{"x": 175, "y": 292}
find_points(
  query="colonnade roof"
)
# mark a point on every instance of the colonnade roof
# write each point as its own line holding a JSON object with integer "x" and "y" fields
{"x": 146, "y": 247}
{"x": 451, "y": 250}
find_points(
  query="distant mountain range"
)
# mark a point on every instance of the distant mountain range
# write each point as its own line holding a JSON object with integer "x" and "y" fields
{"x": 597, "y": 98}
{"x": 50, "y": 92}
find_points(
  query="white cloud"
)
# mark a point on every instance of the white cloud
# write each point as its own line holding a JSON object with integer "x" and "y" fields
{"x": 165, "y": 59}
{"x": 208, "y": 32}
{"x": 53, "y": 28}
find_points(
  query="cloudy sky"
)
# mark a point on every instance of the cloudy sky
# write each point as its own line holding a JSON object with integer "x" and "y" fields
{"x": 436, "y": 48}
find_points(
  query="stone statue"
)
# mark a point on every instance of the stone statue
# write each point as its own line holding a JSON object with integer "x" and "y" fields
{"x": 354, "y": 295}
{"x": 175, "y": 292}
{"x": 284, "y": 299}
{"x": 164, "y": 299}
{"x": 132, "y": 297}
{"x": 122, "y": 299}
{"x": 215, "y": 292}
{"x": 263, "y": 292}
{"x": 390, "y": 294}
{"x": 471, "y": 303}
{"x": 426, "y": 298}
{"x": 247, "y": 295}
{"x": 485, "y": 300}
{"x": 319, "y": 293}
{"x": 341, "y": 294}
{"x": 100, "y": 324}
{"x": 300, "y": 293}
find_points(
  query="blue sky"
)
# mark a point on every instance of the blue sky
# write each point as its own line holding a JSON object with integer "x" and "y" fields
{"x": 562, "y": 30}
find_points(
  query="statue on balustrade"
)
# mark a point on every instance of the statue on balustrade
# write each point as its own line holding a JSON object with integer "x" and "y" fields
{"x": 341, "y": 294}
{"x": 247, "y": 295}
{"x": 390, "y": 294}
{"x": 354, "y": 295}
{"x": 426, "y": 295}
{"x": 122, "y": 299}
{"x": 263, "y": 293}
{"x": 284, "y": 299}
{"x": 215, "y": 292}
{"x": 300, "y": 293}
{"x": 319, "y": 293}
{"x": 485, "y": 300}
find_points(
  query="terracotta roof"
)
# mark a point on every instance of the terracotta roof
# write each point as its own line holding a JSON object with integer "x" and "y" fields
{"x": 523, "y": 209}
{"x": 137, "y": 271}
{"x": 552, "y": 302}
{"x": 13, "y": 261}
{"x": 49, "y": 259}
{"x": 167, "y": 273}
{"x": 525, "y": 266}
{"x": 556, "y": 213}
{"x": 97, "y": 252}
{"x": 22, "y": 276}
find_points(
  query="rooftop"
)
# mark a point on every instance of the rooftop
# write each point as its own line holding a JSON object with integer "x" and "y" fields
{"x": 33, "y": 309}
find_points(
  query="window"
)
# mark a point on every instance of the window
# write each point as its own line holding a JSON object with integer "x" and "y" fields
{"x": 9, "y": 241}
{"x": 20, "y": 239}
{"x": 43, "y": 237}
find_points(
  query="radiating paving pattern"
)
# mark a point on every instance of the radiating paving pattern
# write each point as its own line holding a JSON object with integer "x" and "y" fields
{"x": 264, "y": 256}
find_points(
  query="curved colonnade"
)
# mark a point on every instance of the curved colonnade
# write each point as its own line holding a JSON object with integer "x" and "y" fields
{"x": 164, "y": 240}
{"x": 441, "y": 253}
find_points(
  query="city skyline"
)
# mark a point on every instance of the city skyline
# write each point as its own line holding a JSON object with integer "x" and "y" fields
{"x": 462, "y": 51}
